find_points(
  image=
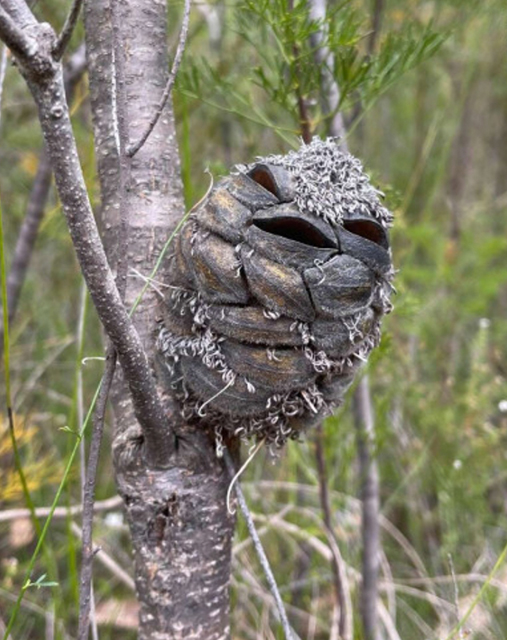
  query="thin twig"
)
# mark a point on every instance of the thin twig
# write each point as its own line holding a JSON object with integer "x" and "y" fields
{"x": 85, "y": 592}
{"x": 67, "y": 30}
{"x": 82, "y": 447}
{"x": 25, "y": 243}
{"x": 3, "y": 69}
{"x": 456, "y": 596}
{"x": 343, "y": 627}
{"x": 363, "y": 416}
{"x": 110, "y": 504}
{"x": 134, "y": 148}
{"x": 289, "y": 634}
{"x": 108, "y": 562}
{"x": 376, "y": 22}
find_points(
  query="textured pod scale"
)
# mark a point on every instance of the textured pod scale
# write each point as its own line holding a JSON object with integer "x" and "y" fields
{"x": 236, "y": 399}
{"x": 251, "y": 325}
{"x": 212, "y": 262}
{"x": 279, "y": 283}
{"x": 372, "y": 249}
{"x": 276, "y": 286}
{"x": 273, "y": 369}
{"x": 224, "y": 215}
{"x": 343, "y": 286}
{"x": 341, "y": 337}
{"x": 249, "y": 192}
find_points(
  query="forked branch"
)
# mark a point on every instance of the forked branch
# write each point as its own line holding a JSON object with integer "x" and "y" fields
{"x": 45, "y": 79}
{"x": 67, "y": 30}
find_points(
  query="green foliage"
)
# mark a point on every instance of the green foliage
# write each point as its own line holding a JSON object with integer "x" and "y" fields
{"x": 281, "y": 41}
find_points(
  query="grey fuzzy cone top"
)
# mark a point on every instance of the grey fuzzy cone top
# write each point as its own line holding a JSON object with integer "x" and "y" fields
{"x": 279, "y": 281}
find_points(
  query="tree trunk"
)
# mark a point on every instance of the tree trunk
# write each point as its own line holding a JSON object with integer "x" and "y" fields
{"x": 180, "y": 526}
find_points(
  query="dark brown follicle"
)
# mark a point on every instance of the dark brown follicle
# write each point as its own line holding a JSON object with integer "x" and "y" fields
{"x": 279, "y": 282}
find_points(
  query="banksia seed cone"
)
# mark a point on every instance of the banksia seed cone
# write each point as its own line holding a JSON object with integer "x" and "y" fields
{"x": 279, "y": 283}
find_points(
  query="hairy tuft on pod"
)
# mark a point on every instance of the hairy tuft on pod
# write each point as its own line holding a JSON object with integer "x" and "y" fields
{"x": 279, "y": 283}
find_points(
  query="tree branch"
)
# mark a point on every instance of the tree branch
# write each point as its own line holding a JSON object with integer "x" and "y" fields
{"x": 21, "y": 45}
{"x": 344, "y": 624}
{"x": 27, "y": 236}
{"x": 3, "y": 69}
{"x": 134, "y": 148}
{"x": 60, "y": 512}
{"x": 85, "y": 591}
{"x": 67, "y": 30}
{"x": 20, "y": 12}
{"x": 44, "y": 77}
{"x": 126, "y": 211}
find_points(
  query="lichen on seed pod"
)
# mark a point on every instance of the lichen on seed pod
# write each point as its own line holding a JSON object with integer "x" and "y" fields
{"x": 279, "y": 281}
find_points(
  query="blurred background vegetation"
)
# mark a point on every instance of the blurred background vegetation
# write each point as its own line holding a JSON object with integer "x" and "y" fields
{"x": 425, "y": 102}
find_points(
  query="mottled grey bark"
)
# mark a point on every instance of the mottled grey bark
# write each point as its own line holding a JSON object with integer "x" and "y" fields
{"x": 181, "y": 531}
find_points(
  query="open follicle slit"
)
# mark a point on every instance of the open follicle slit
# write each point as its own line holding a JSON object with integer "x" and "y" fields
{"x": 369, "y": 230}
{"x": 295, "y": 229}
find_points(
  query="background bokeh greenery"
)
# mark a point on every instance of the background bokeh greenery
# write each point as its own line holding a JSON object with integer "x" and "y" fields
{"x": 430, "y": 124}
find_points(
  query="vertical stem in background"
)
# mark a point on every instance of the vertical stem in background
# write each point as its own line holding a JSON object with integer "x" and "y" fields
{"x": 364, "y": 420}
{"x": 304, "y": 114}
{"x": 330, "y": 98}
{"x": 80, "y": 420}
{"x": 3, "y": 69}
{"x": 344, "y": 624}
{"x": 363, "y": 411}
{"x": 376, "y": 22}
{"x": 330, "y": 94}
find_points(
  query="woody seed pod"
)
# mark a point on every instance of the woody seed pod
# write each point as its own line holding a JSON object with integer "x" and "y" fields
{"x": 279, "y": 282}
